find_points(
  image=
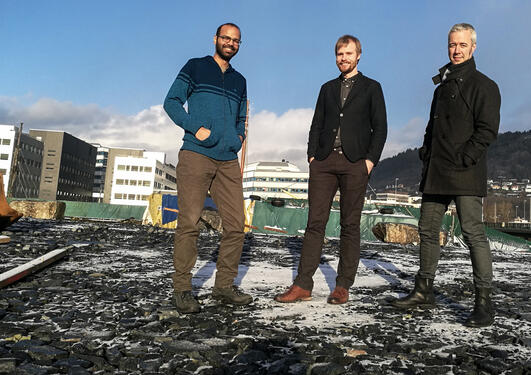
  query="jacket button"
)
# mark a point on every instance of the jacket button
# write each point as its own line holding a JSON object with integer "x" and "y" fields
{"x": 453, "y": 96}
{"x": 340, "y": 115}
{"x": 435, "y": 116}
{"x": 334, "y": 130}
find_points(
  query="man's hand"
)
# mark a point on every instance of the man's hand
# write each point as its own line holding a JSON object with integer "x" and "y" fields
{"x": 369, "y": 165}
{"x": 310, "y": 160}
{"x": 241, "y": 138}
{"x": 202, "y": 133}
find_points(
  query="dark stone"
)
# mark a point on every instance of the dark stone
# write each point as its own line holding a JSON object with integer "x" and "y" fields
{"x": 31, "y": 369}
{"x": 7, "y": 365}
{"x": 492, "y": 366}
{"x": 72, "y": 362}
{"x": 129, "y": 364}
{"x": 45, "y": 354}
{"x": 251, "y": 356}
{"x": 78, "y": 370}
{"x": 327, "y": 369}
{"x": 113, "y": 355}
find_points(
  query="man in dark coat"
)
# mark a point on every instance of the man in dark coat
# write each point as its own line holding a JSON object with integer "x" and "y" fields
{"x": 464, "y": 121}
{"x": 347, "y": 135}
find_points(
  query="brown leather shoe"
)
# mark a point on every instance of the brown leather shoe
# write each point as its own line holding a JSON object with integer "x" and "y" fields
{"x": 338, "y": 296}
{"x": 293, "y": 294}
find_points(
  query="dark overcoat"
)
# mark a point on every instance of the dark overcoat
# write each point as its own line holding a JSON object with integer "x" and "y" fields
{"x": 464, "y": 121}
{"x": 362, "y": 119}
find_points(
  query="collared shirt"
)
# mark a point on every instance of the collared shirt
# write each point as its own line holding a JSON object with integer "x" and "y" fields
{"x": 346, "y": 87}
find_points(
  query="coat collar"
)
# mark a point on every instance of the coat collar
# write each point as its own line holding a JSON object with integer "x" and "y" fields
{"x": 458, "y": 72}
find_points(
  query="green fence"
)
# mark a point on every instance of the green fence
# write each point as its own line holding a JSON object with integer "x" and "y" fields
{"x": 103, "y": 211}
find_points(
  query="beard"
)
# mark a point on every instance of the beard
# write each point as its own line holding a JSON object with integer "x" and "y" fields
{"x": 223, "y": 54}
{"x": 349, "y": 68}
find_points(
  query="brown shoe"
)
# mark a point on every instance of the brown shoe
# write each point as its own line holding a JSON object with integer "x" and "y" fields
{"x": 293, "y": 294}
{"x": 338, "y": 296}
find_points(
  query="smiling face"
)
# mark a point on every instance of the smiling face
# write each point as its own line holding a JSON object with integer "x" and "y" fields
{"x": 227, "y": 42}
{"x": 347, "y": 59}
{"x": 460, "y": 46}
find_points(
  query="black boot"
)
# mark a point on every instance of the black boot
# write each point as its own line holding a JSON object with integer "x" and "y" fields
{"x": 421, "y": 296}
{"x": 483, "y": 314}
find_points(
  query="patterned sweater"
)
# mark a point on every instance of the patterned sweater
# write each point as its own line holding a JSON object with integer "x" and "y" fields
{"x": 216, "y": 101}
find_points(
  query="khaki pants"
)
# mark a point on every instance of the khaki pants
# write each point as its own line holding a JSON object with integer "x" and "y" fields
{"x": 196, "y": 175}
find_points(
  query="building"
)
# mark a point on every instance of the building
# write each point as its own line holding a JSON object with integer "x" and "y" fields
{"x": 102, "y": 155}
{"x": 27, "y": 170}
{"x": 135, "y": 178}
{"x": 275, "y": 180}
{"x": 68, "y": 165}
{"x": 397, "y": 197}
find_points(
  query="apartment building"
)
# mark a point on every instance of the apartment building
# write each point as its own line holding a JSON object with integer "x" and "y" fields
{"x": 67, "y": 166}
{"x": 275, "y": 180}
{"x": 28, "y": 164}
{"x": 135, "y": 178}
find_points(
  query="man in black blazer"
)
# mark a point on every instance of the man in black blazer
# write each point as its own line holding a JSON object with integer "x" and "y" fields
{"x": 347, "y": 135}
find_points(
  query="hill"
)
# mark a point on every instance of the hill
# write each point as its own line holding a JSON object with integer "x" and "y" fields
{"x": 509, "y": 156}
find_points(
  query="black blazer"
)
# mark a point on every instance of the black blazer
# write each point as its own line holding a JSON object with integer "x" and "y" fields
{"x": 362, "y": 119}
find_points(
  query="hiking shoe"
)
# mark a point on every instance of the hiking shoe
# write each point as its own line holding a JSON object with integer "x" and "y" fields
{"x": 293, "y": 294}
{"x": 186, "y": 302}
{"x": 231, "y": 295}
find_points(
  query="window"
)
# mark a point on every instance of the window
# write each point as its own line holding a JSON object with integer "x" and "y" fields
{"x": 147, "y": 169}
{"x": 119, "y": 182}
{"x": 146, "y": 183}
{"x": 4, "y": 156}
{"x": 6, "y": 141}
{"x": 132, "y": 182}
{"x": 121, "y": 167}
{"x": 118, "y": 196}
{"x": 131, "y": 197}
{"x": 134, "y": 168}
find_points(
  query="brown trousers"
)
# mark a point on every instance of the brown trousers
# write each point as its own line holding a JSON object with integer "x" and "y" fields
{"x": 326, "y": 176}
{"x": 196, "y": 175}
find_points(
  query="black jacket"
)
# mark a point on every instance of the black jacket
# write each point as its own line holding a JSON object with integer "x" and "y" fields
{"x": 363, "y": 121}
{"x": 464, "y": 121}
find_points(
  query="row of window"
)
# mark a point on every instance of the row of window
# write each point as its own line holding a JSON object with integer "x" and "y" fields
{"x": 120, "y": 181}
{"x": 275, "y": 179}
{"x": 275, "y": 190}
{"x": 31, "y": 148}
{"x": 134, "y": 168}
{"x": 131, "y": 197}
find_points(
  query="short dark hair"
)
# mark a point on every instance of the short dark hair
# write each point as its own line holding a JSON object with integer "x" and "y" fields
{"x": 346, "y": 39}
{"x": 227, "y": 24}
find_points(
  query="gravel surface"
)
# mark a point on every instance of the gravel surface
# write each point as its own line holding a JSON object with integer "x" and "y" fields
{"x": 106, "y": 309}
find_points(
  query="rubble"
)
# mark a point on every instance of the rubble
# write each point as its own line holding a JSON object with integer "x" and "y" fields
{"x": 106, "y": 309}
{"x": 40, "y": 209}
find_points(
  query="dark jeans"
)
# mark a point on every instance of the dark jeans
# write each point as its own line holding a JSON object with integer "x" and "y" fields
{"x": 326, "y": 177}
{"x": 196, "y": 175}
{"x": 469, "y": 211}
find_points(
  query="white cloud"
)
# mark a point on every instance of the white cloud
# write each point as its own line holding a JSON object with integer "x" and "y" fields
{"x": 273, "y": 138}
{"x": 410, "y": 135}
{"x": 150, "y": 129}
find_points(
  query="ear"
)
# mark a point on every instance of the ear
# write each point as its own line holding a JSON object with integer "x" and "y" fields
{"x": 473, "y": 48}
{"x": 215, "y": 39}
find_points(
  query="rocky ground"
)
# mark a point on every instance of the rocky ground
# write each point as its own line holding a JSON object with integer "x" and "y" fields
{"x": 105, "y": 309}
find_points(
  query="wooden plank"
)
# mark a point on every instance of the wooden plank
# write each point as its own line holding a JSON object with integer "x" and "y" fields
{"x": 33, "y": 266}
{"x": 5, "y": 239}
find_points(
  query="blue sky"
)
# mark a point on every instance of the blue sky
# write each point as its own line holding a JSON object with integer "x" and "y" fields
{"x": 101, "y": 69}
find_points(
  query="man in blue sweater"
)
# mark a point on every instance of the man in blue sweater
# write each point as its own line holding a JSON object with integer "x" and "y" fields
{"x": 214, "y": 129}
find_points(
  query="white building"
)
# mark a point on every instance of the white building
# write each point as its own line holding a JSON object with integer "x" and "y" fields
{"x": 136, "y": 178}
{"x": 275, "y": 180}
{"x": 99, "y": 173}
{"x": 28, "y": 165}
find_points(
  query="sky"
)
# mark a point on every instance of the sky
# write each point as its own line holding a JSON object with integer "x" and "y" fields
{"x": 100, "y": 70}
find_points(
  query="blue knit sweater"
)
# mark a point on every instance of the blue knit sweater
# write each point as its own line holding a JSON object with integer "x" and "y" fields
{"x": 216, "y": 101}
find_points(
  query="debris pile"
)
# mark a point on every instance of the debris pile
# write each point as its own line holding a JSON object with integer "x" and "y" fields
{"x": 106, "y": 309}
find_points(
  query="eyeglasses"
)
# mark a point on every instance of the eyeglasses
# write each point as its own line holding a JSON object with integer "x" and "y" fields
{"x": 227, "y": 39}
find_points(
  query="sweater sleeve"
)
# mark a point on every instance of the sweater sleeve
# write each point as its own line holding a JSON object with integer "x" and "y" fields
{"x": 180, "y": 91}
{"x": 242, "y": 115}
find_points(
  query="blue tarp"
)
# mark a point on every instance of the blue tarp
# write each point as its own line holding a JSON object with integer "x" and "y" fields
{"x": 170, "y": 208}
